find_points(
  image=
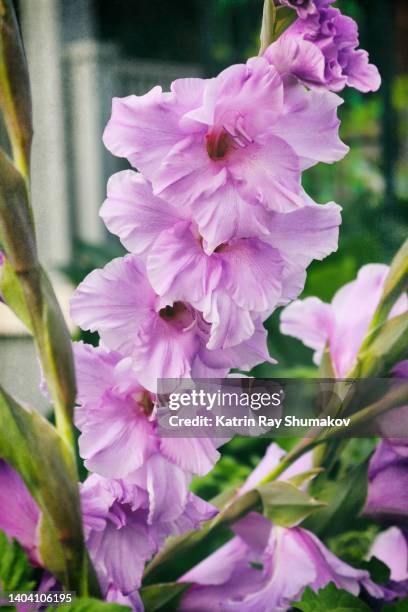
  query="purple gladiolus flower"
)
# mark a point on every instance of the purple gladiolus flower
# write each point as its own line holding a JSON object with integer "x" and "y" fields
{"x": 243, "y": 279}
{"x": 340, "y": 325}
{"x": 250, "y": 572}
{"x": 122, "y": 533}
{"x": 391, "y": 547}
{"x": 230, "y": 148}
{"x": 321, "y": 48}
{"x": 118, "y": 427}
{"x": 19, "y": 513}
{"x": 163, "y": 340}
{"x": 304, "y": 8}
{"x": 387, "y": 484}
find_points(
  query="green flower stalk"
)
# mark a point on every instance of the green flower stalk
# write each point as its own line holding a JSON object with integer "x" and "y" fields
{"x": 43, "y": 455}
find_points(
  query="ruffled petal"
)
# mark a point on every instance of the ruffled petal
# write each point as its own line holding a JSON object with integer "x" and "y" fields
{"x": 143, "y": 129}
{"x": 114, "y": 301}
{"x": 231, "y": 324}
{"x": 306, "y": 234}
{"x": 179, "y": 269}
{"x": 297, "y": 57}
{"x": 252, "y": 274}
{"x": 133, "y": 213}
{"x": 195, "y": 455}
{"x": 115, "y": 439}
{"x": 310, "y": 126}
{"x": 163, "y": 352}
{"x": 267, "y": 172}
{"x": 361, "y": 74}
{"x": 240, "y": 219}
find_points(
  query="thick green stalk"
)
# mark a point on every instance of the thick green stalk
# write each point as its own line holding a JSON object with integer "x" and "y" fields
{"x": 17, "y": 232}
{"x": 43, "y": 455}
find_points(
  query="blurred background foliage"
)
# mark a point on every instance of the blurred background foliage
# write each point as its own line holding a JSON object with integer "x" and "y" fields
{"x": 370, "y": 183}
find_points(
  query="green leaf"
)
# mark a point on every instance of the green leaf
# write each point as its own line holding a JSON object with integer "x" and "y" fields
{"x": 15, "y": 98}
{"x": 34, "y": 294}
{"x": 15, "y": 570}
{"x": 56, "y": 347}
{"x": 384, "y": 349}
{"x": 286, "y": 505}
{"x": 13, "y": 294}
{"x": 88, "y": 604}
{"x": 305, "y": 477}
{"x": 395, "y": 284}
{"x": 344, "y": 498}
{"x": 268, "y": 25}
{"x": 16, "y": 224}
{"x": 275, "y": 20}
{"x": 379, "y": 572}
{"x": 326, "y": 368}
{"x": 354, "y": 545}
{"x": 30, "y": 444}
{"x": 285, "y": 16}
{"x": 162, "y": 596}
{"x": 401, "y": 606}
{"x": 330, "y": 599}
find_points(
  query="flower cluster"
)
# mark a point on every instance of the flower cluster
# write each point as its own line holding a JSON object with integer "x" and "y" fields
{"x": 341, "y": 327}
{"x": 250, "y": 572}
{"x": 220, "y": 233}
{"x": 320, "y": 48}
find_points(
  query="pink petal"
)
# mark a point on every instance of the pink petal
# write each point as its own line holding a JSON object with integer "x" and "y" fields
{"x": 252, "y": 275}
{"x": 179, "y": 269}
{"x": 306, "y": 234}
{"x": 114, "y": 301}
{"x": 133, "y": 213}
{"x": 317, "y": 110}
{"x": 309, "y": 320}
{"x": 195, "y": 455}
{"x": 143, "y": 129}
{"x": 268, "y": 173}
{"x": 297, "y": 57}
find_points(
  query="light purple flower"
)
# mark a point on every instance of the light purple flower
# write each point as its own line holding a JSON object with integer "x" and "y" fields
{"x": 243, "y": 279}
{"x": 322, "y": 49}
{"x": 122, "y": 534}
{"x": 343, "y": 324}
{"x": 162, "y": 340}
{"x": 228, "y": 149}
{"x": 19, "y": 513}
{"x": 387, "y": 484}
{"x": 304, "y": 8}
{"x": 250, "y": 572}
{"x": 116, "y": 417}
{"x": 391, "y": 547}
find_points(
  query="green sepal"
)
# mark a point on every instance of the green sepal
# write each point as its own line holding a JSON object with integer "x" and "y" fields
{"x": 286, "y": 505}
{"x": 162, "y": 596}
{"x": 344, "y": 497}
{"x": 31, "y": 445}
